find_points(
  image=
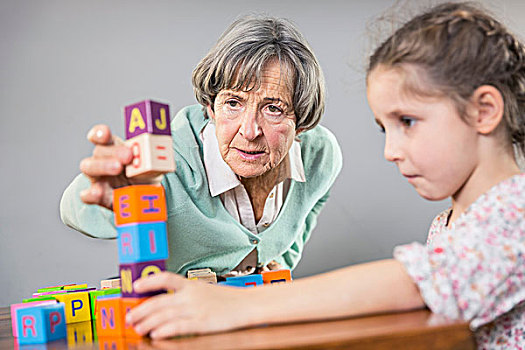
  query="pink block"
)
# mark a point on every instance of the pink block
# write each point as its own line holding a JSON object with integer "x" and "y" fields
{"x": 15, "y": 307}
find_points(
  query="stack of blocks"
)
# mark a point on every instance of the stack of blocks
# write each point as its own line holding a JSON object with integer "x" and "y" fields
{"x": 140, "y": 213}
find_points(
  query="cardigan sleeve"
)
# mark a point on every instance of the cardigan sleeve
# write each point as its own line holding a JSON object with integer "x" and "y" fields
{"x": 91, "y": 220}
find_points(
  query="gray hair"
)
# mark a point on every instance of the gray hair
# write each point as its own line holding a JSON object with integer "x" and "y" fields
{"x": 237, "y": 60}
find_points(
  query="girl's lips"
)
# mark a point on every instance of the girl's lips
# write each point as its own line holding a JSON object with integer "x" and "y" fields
{"x": 249, "y": 156}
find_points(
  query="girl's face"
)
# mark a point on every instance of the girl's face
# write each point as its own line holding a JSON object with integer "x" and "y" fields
{"x": 434, "y": 149}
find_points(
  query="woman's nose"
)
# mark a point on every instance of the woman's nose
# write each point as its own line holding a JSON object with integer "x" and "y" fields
{"x": 250, "y": 128}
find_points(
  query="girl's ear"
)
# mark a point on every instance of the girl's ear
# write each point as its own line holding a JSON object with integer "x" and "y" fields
{"x": 487, "y": 106}
{"x": 210, "y": 111}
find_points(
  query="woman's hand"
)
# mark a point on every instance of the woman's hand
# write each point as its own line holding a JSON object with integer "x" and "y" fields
{"x": 195, "y": 307}
{"x": 105, "y": 168}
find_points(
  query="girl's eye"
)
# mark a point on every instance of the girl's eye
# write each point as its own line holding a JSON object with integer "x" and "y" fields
{"x": 407, "y": 121}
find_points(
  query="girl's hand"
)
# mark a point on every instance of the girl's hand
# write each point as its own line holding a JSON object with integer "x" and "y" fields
{"x": 195, "y": 307}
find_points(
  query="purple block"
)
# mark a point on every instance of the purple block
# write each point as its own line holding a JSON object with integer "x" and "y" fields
{"x": 129, "y": 273}
{"x": 147, "y": 117}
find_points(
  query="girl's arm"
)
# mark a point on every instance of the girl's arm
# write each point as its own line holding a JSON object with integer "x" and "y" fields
{"x": 195, "y": 307}
{"x": 381, "y": 286}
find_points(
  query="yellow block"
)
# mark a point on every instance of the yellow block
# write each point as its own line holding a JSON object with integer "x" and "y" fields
{"x": 79, "y": 333}
{"x": 76, "y": 286}
{"x": 77, "y": 306}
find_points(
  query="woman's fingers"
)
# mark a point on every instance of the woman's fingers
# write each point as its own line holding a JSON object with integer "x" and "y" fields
{"x": 100, "y": 135}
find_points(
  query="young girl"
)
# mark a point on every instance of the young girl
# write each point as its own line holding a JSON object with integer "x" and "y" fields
{"x": 448, "y": 91}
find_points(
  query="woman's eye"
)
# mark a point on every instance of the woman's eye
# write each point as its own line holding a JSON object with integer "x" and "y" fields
{"x": 274, "y": 109}
{"x": 232, "y": 103}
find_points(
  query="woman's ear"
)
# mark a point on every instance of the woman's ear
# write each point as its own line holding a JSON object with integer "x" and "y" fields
{"x": 487, "y": 107}
{"x": 210, "y": 111}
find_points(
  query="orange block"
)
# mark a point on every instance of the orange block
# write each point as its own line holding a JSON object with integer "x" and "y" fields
{"x": 277, "y": 276}
{"x": 110, "y": 319}
{"x": 127, "y": 305}
{"x": 139, "y": 203}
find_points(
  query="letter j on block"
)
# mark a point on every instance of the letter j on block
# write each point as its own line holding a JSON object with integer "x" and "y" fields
{"x": 139, "y": 204}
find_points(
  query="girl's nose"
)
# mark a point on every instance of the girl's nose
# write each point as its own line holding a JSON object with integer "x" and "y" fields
{"x": 392, "y": 151}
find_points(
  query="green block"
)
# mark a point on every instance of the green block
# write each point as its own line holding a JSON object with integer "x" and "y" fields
{"x": 43, "y": 297}
{"x": 94, "y": 329}
{"x": 50, "y": 289}
{"x": 93, "y": 295}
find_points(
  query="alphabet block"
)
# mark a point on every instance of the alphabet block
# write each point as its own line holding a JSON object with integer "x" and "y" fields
{"x": 142, "y": 242}
{"x": 15, "y": 307}
{"x": 110, "y": 316}
{"x": 147, "y": 117}
{"x": 40, "y": 324}
{"x": 245, "y": 281}
{"x": 127, "y": 305}
{"x": 79, "y": 333}
{"x": 111, "y": 283}
{"x": 204, "y": 275}
{"x": 76, "y": 286}
{"x": 139, "y": 203}
{"x": 277, "y": 276}
{"x": 77, "y": 306}
{"x": 53, "y": 288}
{"x": 152, "y": 156}
{"x": 93, "y": 296}
{"x": 44, "y": 297}
{"x": 129, "y": 273}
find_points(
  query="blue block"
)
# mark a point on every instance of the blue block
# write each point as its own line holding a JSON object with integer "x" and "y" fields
{"x": 41, "y": 324}
{"x": 141, "y": 242}
{"x": 245, "y": 281}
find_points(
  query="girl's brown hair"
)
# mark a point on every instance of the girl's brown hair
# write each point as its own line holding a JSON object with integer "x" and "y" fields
{"x": 460, "y": 48}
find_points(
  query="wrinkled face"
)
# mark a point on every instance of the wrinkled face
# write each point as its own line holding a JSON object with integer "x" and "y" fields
{"x": 255, "y": 129}
{"x": 425, "y": 136}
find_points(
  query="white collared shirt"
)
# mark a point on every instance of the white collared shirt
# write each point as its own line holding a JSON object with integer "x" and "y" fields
{"x": 224, "y": 182}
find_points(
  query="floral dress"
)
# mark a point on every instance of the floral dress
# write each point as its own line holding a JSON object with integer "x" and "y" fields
{"x": 475, "y": 269}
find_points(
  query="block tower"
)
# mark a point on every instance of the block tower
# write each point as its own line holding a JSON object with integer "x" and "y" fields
{"x": 140, "y": 212}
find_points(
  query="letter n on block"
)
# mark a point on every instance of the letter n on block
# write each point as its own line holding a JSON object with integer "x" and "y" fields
{"x": 138, "y": 204}
{"x": 41, "y": 323}
{"x": 147, "y": 117}
{"x": 142, "y": 242}
{"x": 277, "y": 276}
{"x": 110, "y": 316}
{"x": 129, "y": 273}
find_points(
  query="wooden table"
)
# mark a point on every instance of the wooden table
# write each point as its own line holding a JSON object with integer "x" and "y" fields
{"x": 410, "y": 330}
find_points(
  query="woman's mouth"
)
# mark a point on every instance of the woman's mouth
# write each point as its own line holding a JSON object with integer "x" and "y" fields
{"x": 249, "y": 155}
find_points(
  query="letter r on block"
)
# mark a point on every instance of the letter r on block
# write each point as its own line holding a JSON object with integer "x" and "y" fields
{"x": 28, "y": 322}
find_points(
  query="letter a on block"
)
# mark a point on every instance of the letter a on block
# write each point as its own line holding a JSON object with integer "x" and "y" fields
{"x": 136, "y": 121}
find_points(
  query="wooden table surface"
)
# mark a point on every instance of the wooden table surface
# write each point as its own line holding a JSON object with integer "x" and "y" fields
{"x": 409, "y": 330}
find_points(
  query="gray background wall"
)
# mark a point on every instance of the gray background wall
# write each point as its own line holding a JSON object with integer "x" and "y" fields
{"x": 67, "y": 65}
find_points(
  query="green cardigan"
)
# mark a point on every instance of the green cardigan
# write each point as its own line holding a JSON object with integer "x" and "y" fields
{"x": 201, "y": 233}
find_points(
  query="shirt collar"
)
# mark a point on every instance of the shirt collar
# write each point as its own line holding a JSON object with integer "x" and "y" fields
{"x": 221, "y": 177}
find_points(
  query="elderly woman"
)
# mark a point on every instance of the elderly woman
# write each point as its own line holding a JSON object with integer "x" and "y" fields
{"x": 253, "y": 167}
